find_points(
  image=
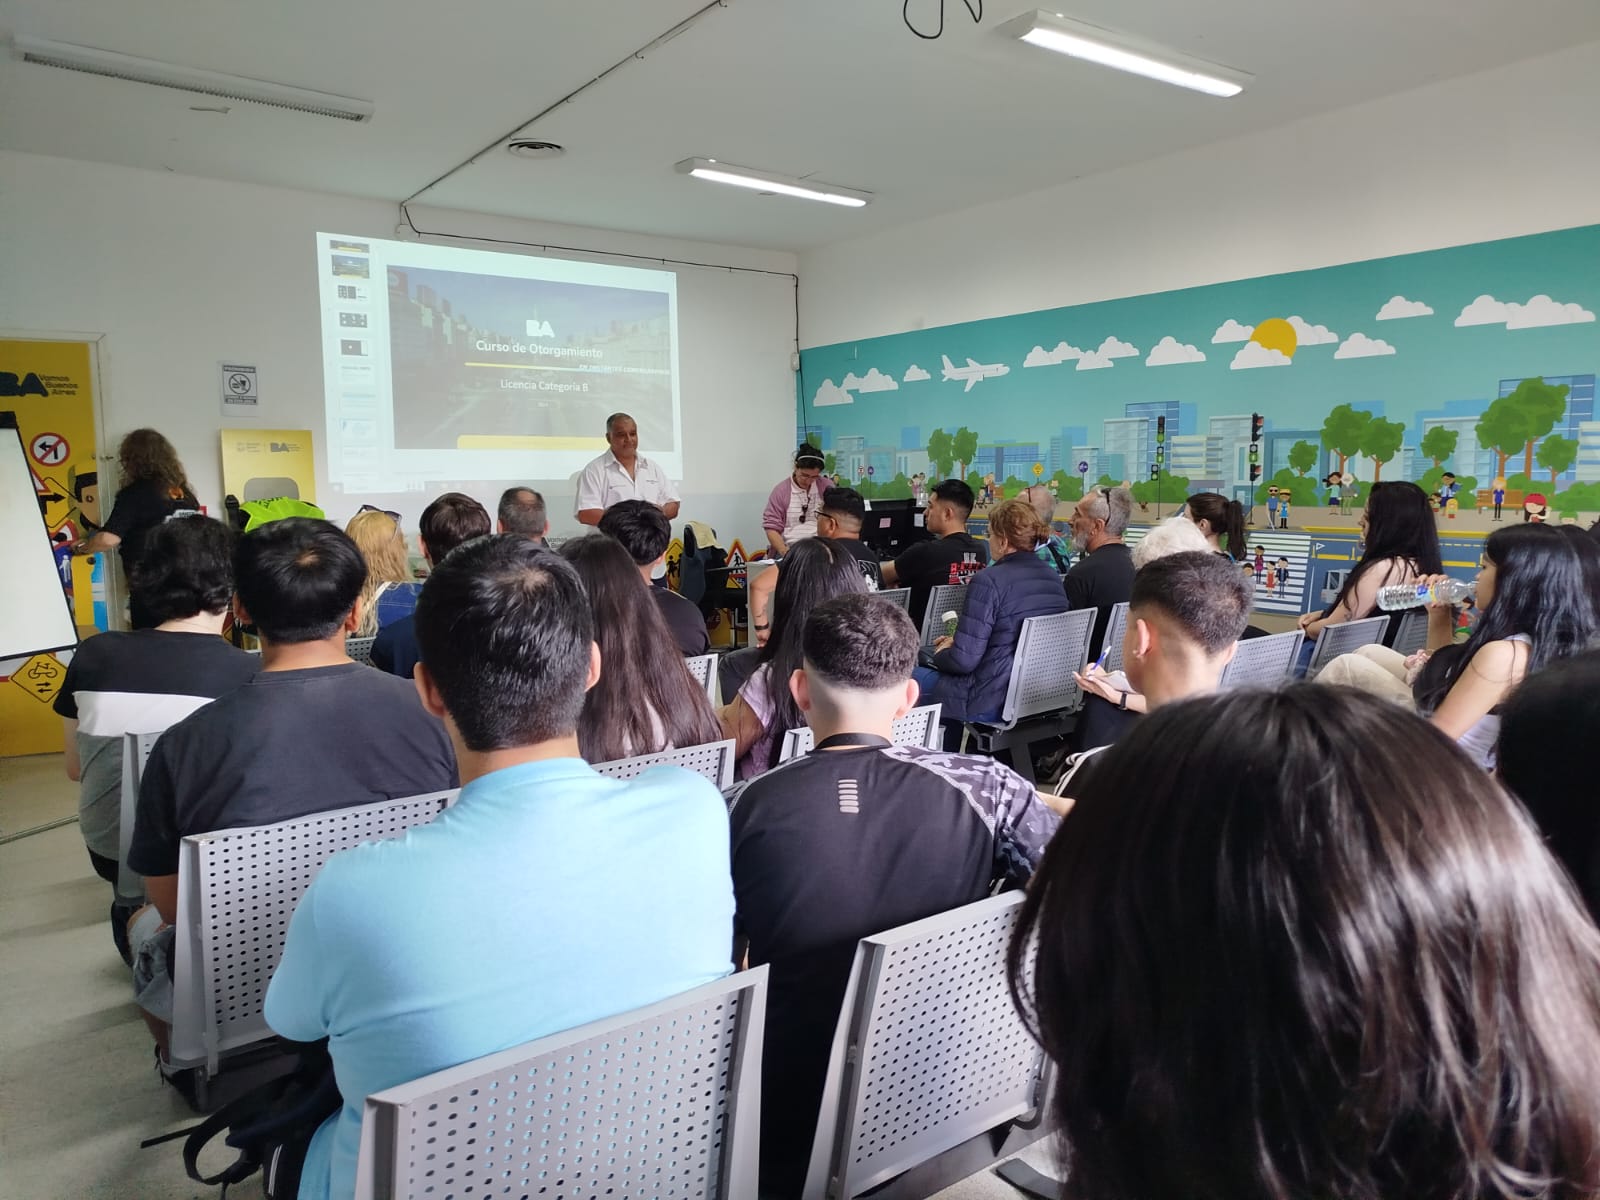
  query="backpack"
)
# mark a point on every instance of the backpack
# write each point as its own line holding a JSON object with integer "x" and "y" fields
{"x": 271, "y": 1126}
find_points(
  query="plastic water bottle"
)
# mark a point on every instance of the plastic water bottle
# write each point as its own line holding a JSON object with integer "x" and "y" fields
{"x": 1415, "y": 595}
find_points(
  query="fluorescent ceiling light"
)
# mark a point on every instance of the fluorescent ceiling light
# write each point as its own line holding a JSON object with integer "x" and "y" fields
{"x": 765, "y": 181}
{"x": 112, "y": 65}
{"x": 1122, "y": 52}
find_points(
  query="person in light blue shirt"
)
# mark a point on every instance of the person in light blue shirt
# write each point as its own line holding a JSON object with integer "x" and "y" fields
{"x": 547, "y": 896}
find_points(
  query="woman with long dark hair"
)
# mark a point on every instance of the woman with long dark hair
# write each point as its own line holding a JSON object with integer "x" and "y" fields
{"x": 152, "y": 486}
{"x": 1401, "y": 544}
{"x": 646, "y": 701}
{"x": 814, "y": 570}
{"x": 1534, "y": 608}
{"x": 1221, "y": 520}
{"x": 1264, "y": 968}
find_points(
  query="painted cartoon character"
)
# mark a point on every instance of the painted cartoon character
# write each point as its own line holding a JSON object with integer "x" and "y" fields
{"x": 1283, "y": 510}
{"x": 919, "y": 488}
{"x": 1451, "y": 504}
{"x": 1261, "y": 561}
{"x": 1498, "y": 494}
{"x": 1448, "y": 487}
{"x": 1347, "y": 492}
{"x": 1435, "y": 501}
{"x": 1272, "y": 507}
{"x": 1535, "y": 509}
{"x": 1283, "y": 576}
{"x": 1332, "y": 484}
{"x": 1272, "y": 577}
{"x": 988, "y": 490}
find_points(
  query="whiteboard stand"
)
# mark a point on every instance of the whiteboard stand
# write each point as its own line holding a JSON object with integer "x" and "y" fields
{"x": 35, "y": 614}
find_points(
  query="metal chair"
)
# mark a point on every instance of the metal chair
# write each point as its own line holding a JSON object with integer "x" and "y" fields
{"x": 1410, "y": 630}
{"x": 714, "y": 760}
{"x": 661, "y": 1101}
{"x": 929, "y": 1052}
{"x": 1043, "y": 697}
{"x": 900, "y": 596}
{"x": 704, "y": 669}
{"x": 945, "y": 597}
{"x": 1264, "y": 661}
{"x": 237, "y": 889}
{"x": 1115, "y": 628}
{"x": 919, "y": 727}
{"x": 1335, "y": 640}
{"x": 360, "y": 649}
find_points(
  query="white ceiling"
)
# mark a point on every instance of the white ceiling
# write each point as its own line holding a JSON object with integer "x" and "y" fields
{"x": 838, "y": 89}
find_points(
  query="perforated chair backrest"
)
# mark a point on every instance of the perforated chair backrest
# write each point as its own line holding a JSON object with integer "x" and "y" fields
{"x": 919, "y": 727}
{"x": 360, "y": 649}
{"x": 714, "y": 760}
{"x": 900, "y": 596}
{"x": 1410, "y": 630}
{"x": 1264, "y": 661}
{"x": 1115, "y": 628}
{"x": 1335, "y": 640}
{"x": 136, "y": 749}
{"x": 704, "y": 669}
{"x": 237, "y": 889}
{"x": 945, "y": 597}
{"x": 1049, "y": 650}
{"x": 929, "y": 1050}
{"x": 662, "y": 1101}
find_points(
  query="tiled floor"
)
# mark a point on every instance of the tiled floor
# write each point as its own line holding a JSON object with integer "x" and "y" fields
{"x": 78, "y": 1091}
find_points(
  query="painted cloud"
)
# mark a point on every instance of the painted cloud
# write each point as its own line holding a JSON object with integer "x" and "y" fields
{"x": 1397, "y": 308}
{"x": 1231, "y": 331}
{"x": 1169, "y": 351}
{"x": 914, "y": 374}
{"x": 1308, "y": 334}
{"x": 1254, "y": 354}
{"x": 1112, "y": 348}
{"x": 1537, "y": 313}
{"x": 831, "y": 393}
{"x": 876, "y": 381}
{"x": 1359, "y": 345}
{"x": 1093, "y": 360}
{"x": 1040, "y": 357}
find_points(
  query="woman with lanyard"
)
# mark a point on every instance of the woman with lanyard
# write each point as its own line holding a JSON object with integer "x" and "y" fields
{"x": 794, "y": 505}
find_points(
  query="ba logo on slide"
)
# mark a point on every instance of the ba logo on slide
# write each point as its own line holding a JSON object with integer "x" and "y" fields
{"x": 540, "y": 329}
{"x": 28, "y": 385}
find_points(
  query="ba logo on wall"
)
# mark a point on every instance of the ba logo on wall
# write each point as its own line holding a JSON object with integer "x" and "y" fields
{"x": 26, "y": 385}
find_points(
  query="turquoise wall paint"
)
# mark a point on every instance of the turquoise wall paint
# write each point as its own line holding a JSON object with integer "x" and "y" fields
{"x": 870, "y": 405}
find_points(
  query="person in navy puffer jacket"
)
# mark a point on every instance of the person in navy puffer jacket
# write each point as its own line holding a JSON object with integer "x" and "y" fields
{"x": 970, "y": 672}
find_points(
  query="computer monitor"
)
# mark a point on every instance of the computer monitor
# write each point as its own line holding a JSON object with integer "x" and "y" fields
{"x": 892, "y": 525}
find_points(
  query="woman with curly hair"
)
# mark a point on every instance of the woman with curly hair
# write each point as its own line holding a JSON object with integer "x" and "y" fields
{"x": 377, "y": 535}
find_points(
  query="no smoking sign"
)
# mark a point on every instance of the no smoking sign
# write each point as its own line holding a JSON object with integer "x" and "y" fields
{"x": 49, "y": 449}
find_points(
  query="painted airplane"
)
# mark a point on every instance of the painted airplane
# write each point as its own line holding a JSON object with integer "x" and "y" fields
{"x": 973, "y": 371}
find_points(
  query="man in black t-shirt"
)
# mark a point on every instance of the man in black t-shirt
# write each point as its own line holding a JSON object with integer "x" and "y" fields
{"x": 955, "y": 556}
{"x": 313, "y": 731}
{"x": 843, "y": 514}
{"x": 857, "y": 837}
{"x": 1103, "y": 575}
{"x": 645, "y": 533}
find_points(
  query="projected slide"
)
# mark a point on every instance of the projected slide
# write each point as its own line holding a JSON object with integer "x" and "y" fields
{"x": 448, "y": 366}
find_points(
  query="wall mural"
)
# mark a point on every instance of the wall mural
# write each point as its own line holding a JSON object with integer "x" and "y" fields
{"x": 1470, "y": 371}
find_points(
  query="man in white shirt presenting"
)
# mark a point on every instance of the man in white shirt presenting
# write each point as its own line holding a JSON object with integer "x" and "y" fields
{"x": 621, "y": 473}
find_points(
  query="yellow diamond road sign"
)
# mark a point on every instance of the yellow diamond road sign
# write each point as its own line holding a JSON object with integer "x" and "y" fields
{"x": 41, "y": 677}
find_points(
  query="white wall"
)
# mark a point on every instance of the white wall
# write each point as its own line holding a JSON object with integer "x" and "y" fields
{"x": 179, "y": 273}
{"x": 1507, "y": 152}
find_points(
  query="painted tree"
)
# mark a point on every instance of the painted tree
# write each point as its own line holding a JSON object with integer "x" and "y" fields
{"x": 964, "y": 445}
{"x": 1521, "y": 419}
{"x": 1303, "y": 456}
{"x": 830, "y": 464}
{"x": 1556, "y": 454}
{"x": 1380, "y": 441}
{"x": 1503, "y": 428}
{"x": 1439, "y": 443}
{"x": 1342, "y": 431}
{"x": 940, "y": 453}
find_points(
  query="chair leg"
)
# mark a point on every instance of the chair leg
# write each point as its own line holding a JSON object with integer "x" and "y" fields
{"x": 1029, "y": 1181}
{"x": 1022, "y": 760}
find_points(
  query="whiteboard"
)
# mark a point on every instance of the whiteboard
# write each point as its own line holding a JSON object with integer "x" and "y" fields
{"x": 34, "y": 613}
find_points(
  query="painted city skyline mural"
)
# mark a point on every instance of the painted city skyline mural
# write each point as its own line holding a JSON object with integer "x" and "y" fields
{"x": 1477, "y": 360}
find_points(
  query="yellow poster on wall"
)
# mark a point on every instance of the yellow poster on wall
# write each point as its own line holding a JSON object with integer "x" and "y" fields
{"x": 50, "y": 386}
{"x": 268, "y": 464}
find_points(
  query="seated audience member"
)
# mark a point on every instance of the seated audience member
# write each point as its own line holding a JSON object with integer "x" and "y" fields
{"x": 953, "y": 556}
{"x": 144, "y": 681}
{"x": 1220, "y": 520}
{"x": 1401, "y": 544}
{"x": 842, "y": 516}
{"x": 450, "y": 520}
{"x": 971, "y": 671}
{"x": 1185, "y": 617}
{"x": 1103, "y": 575}
{"x": 1534, "y": 609}
{"x": 1265, "y": 970}
{"x": 390, "y": 591}
{"x": 545, "y": 897}
{"x": 1175, "y": 535}
{"x": 1056, "y": 551}
{"x": 522, "y": 512}
{"x": 312, "y": 731}
{"x": 814, "y": 570}
{"x": 645, "y": 701}
{"x": 934, "y": 831}
{"x": 645, "y": 533}
{"x": 1545, "y": 729}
